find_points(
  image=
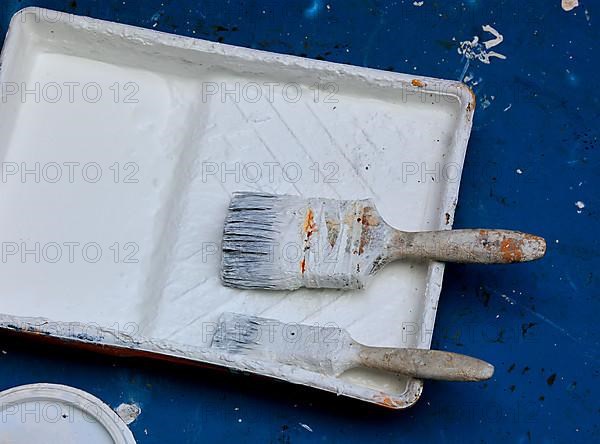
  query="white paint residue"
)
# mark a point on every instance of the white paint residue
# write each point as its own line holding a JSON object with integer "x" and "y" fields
{"x": 580, "y": 205}
{"x": 569, "y": 5}
{"x": 418, "y": 3}
{"x": 306, "y": 427}
{"x": 519, "y": 171}
{"x": 508, "y": 107}
{"x": 475, "y": 49}
{"x": 128, "y": 412}
{"x": 498, "y": 38}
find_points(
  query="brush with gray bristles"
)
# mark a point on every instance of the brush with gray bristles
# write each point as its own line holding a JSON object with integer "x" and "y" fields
{"x": 332, "y": 351}
{"x": 282, "y": 242}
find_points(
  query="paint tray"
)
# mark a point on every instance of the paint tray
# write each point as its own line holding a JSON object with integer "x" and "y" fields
{"x": 121, "y": 147}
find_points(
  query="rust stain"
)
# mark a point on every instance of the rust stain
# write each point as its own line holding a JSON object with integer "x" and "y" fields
{"x": 511, "y": 250}
{"x": 418, "y": 83}
{"x": 368, "y": 220}
{"x": 309, "y": 226}
{"x": 473, "y": 102}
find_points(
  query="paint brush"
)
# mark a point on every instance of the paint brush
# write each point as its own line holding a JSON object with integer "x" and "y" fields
{"x": 282, "y": 242}
{"x": 331, "y": 351}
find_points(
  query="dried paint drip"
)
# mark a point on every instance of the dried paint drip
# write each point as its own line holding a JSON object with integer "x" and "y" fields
{"x": 569, "y": 5}
{"x": 476, "y": 50}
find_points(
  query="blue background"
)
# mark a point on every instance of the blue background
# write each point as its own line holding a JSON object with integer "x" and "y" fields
{"x": 542, "y": 335}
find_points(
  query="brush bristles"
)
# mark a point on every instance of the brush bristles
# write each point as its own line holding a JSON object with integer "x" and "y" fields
{"x": 252, "y": 238}
{"x": 236, "y": 333}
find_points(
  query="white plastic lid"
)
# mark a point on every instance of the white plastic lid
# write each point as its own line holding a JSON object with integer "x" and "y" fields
{"x": 52, "y": 413}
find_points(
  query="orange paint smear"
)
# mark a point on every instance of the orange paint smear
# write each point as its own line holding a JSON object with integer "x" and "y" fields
{"x": 388, "y": 402}
{"x": 418, "y": 83}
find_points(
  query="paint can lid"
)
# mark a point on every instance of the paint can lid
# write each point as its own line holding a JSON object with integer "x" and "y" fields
{"x": 52, "y": 413}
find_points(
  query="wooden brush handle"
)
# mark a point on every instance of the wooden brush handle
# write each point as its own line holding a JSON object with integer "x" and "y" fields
{"x": 468, "y": 246}
{"x": 426, "y": 364}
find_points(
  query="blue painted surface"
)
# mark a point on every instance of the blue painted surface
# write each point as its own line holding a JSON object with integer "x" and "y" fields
{"x": 542, "y": 335}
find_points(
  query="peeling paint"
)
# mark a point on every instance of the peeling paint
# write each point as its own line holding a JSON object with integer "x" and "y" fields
{"x": 128, "y": 412}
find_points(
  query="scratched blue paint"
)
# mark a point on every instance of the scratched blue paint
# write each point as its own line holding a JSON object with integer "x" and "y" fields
{"x": 538, "y": 323}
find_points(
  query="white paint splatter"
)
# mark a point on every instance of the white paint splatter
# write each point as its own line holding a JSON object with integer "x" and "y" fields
{"x": 487, "y": 101}
{"x": 580, "y": 205}
{"x": 418, "y": 3}
{"x": 305, "y": 426}
{"x": 498, "y": 38}
{"x": 475, "y": 49}
{"x": 519, "y": 171}
{"x": 507, "y": 299}
{"x": 569, "y": 5}
{"x": 128, "y": 412}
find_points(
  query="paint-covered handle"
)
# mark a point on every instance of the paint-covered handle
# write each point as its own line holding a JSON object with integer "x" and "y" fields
{"x": 468, "y": 246}
{"x": 426, "y": 364}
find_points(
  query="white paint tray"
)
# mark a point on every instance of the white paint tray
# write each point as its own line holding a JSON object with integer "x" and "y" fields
{"x": 121, "y": 147}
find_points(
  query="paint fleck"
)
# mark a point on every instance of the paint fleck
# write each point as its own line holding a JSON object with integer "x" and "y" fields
{"x": 474, "y": 49}
{"x": 519, "y": 171}
{"x": 508, "y": 107}
{"x": 569, "y": 5}
{"x": 128, "y": 412}
{"x": 580, "y": 206}
{"x": 487, "y": 101}
{"x": 418, "y": 3}
{"x": 306, "y": 427}
{"x": 418, "y": 83}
